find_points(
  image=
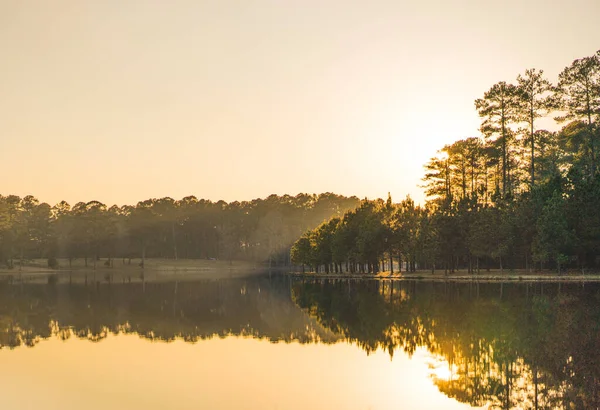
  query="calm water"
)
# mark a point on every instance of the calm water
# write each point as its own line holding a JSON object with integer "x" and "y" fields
{"x": 284, "y": 343}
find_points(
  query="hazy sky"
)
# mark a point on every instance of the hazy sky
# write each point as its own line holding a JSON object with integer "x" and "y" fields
{"x": 121, "y": 101}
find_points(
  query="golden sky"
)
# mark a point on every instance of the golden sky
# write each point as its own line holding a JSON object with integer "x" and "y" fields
{"x": 121, "y": 101}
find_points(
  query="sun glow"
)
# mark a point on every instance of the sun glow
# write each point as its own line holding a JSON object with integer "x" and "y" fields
{"x": 439, "y": 369}
{"x": 441, "y": 372}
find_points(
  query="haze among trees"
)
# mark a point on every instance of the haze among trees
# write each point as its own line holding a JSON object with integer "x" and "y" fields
{"x": 516, "y": 196}
{"x": 261, "y": 230}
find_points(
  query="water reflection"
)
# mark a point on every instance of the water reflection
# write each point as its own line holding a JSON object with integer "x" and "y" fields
{"x": 189, "y": 310}
{"x": 502, "y": 345}
{"x": 490, "y": 344}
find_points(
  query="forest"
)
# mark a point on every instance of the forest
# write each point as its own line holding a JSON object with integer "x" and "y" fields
{"x": 261, "y": 230}
{"x": 517, "y": 196}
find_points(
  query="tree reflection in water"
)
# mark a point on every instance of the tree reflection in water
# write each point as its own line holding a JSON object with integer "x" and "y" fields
{"x": 518, "y": 345}
{"x": 500, "y": 345}
{"x": 160, "y": 311}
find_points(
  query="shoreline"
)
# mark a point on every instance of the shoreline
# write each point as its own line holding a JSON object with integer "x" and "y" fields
{"x": 164, "y": 269}
{"x": 152, "y": 265}
{"x": 492, "y": 276}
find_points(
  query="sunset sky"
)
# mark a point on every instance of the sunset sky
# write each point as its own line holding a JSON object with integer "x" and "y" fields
{"x": 121, "y": 101}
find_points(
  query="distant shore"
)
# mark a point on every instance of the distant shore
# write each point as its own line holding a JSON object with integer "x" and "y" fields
{"x": 126, "y": 270}
{"x": 464, "y": 276}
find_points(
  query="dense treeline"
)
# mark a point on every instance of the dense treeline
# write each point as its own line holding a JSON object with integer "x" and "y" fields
{"x": 259, "y": 230}
{"x": 515, "y": 197}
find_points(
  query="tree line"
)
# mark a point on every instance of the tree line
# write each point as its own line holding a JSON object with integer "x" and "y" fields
{"x": 516, "y": 196}
{"x": 259, "y": 230}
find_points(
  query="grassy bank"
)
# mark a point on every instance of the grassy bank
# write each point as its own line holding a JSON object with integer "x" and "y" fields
{"x": 41, "y": 265}
{"x": 125, "y": 271}
{"x": 491, "y": 275}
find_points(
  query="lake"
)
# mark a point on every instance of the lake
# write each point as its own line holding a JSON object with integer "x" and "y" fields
{"x": 296, "y": 343}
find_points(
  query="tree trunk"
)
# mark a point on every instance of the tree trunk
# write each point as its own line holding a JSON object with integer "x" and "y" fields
{"x": 174, "y": 242}
{"x": 532, "y": 149}
{"x": 504, "y": 156}
{"x": 592, "y": 148}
